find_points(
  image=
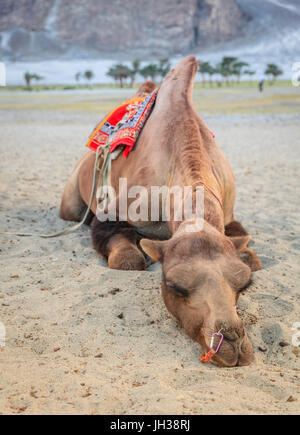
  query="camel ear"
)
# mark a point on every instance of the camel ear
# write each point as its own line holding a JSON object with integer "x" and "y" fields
{"x": 153, "y": 248}
{"x": 246, "y": 255}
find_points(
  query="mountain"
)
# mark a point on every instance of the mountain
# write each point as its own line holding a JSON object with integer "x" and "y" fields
{"x": 44, "y": 36}
{"x": 68, "y": 29}
{"x": 272, "y": 35}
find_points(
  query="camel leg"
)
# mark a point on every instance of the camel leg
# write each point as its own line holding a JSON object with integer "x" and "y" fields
{"x": 235, "y": 230}
{"x": 117, "y": 242}
{"x": 72, "y": 206}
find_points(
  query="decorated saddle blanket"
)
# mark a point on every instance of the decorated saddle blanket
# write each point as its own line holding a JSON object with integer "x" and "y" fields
{"x": 123, "y": 125}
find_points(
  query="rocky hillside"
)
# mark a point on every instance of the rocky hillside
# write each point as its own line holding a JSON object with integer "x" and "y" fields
{"x": 37, "y": 29}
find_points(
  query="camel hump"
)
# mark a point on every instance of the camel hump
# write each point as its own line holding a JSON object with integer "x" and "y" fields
{"x": 179, "y": 82}
{"x": 186, "y": 69}
{"x": 146, "y": 88}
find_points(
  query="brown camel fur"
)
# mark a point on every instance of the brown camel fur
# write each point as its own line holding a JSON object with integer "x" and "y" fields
{"x": 204, "y": 271}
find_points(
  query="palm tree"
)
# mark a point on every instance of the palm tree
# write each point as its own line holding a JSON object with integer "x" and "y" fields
{"x": 202, "y": 68}
{"x": 150, "y": 71}
{"x": 273, "y": 71}
{"x": 78, "y": 76}
{"x": 28, "y": 77}
{"x": 153, "y": 71}
{"x": 119, "y": 72}
{"x": 37, "y": 77}
{"x": 237, "y": 69}
{"x": 122, "y": 73}
{"x": 89, "y": 75}
{"x": 112, "y": 73}
{"x": 222, "y": 71}
{"x": 211, "y": 71}
{"x": 206, "y": 68}
{"x": 164, "y": 67}
{"x": 249, "y": 73}
{"x": 225, "y": 68}
{"x": 135, "y": 69}
{"x": 144, "y": 72}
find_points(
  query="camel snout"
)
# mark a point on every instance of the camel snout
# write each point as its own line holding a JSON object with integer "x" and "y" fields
{"x": 235, "y": 350}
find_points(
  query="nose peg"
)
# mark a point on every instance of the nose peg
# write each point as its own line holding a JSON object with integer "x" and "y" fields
{"x": 206, "y": 357}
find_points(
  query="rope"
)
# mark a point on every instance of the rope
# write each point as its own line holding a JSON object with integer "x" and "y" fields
{"x": 75, "y": 227}
{"x": 104, "y": 174}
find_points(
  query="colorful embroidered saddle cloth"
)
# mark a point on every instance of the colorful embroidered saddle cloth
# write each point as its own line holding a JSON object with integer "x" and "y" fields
{"x": 123, "y": 125}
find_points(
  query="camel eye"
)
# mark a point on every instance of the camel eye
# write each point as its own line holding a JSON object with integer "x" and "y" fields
{"x": 175, "y": 287}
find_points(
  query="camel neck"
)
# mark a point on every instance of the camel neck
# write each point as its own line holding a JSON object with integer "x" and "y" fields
{"x": 209, "y": 209}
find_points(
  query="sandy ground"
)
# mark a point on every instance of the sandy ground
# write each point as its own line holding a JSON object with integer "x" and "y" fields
{"x": 81, "y": 338}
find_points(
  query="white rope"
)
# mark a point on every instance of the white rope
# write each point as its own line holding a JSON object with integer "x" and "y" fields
{"x": 76, "y": 226}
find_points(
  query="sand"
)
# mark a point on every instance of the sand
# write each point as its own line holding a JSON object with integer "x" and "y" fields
{"x": 84, "y": 339}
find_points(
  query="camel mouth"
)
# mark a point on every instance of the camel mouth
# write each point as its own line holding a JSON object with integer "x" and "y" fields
{"x": 227, "y": 358}
{"x": 235, "y": 350}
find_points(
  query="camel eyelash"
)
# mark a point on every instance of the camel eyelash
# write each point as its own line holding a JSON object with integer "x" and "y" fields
{"x": 178, "y": 289}
{"x": 175, "y": 287}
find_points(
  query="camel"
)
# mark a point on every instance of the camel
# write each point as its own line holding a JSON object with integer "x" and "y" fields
{"x": 203, "y": 272}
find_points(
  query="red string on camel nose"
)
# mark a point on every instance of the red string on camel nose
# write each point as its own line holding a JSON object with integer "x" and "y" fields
{"x": 206, "y": 357}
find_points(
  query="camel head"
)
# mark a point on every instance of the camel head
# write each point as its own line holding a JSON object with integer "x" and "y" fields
{"x": 203, "y": 275}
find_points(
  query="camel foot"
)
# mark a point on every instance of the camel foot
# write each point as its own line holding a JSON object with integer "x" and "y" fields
{"x": 126, "y": 258}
